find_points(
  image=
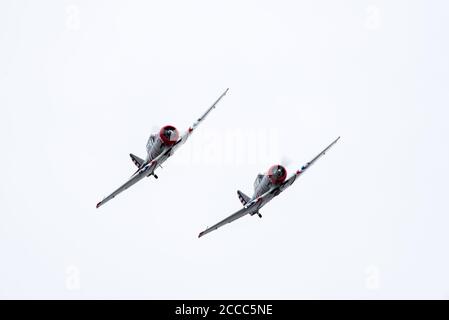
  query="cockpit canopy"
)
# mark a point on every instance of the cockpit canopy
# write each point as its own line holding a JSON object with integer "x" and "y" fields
{"x": 257, "y": 181}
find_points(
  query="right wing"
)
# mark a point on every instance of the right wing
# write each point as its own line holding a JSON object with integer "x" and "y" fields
{"x": 139, "y": 175}
{"x": 242, "y": 212}
{"x": 250, "y": 208}
{"x": 133, "y": 180}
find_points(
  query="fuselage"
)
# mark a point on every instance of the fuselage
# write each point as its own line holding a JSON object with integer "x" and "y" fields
{"x": 275, "y": 176}
{"x": 155, "y": 147}
{"x": 158, "y": 143}
{"x": 261, "y": 186}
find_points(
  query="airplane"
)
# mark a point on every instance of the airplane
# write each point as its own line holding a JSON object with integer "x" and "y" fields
{"x": 266, "y": 187}
{"x": 160, "y": 147}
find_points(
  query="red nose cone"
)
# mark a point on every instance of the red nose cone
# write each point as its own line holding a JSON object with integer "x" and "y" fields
{"x": 169, "y": 135}
{"x": 277, "y": 174}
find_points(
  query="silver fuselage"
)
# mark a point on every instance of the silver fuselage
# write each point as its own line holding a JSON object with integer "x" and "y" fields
{"x": 155, "y": 147}
{"x": 261, "y": 186}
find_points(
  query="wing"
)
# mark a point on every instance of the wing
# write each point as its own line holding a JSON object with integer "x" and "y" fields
{"x": 250, "y": 208}
{"x": 304, "y": 168}
{"x": 139, "y": 175}
{"x": 133, "y": 180}
{"x": 184, "y": 138}
{"x": 242, "y": 212}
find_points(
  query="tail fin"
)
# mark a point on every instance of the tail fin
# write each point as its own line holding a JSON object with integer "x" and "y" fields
{"x": 137, "y": 161}
{"x": 244, "y": 199}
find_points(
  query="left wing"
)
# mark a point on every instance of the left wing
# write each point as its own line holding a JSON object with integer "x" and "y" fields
{"x": 304, "y": 168}
{"x": 197, "y": 122}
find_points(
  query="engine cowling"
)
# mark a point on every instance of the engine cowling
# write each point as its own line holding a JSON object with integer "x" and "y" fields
{"x": 169, "y": 135}
{"x": 277, "y": 174}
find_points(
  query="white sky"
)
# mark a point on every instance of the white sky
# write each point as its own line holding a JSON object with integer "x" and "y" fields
{"x": 84, "y": 83}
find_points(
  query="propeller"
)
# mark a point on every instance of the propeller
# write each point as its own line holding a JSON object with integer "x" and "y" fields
{"x": 285, "y": 161}
{"x": 155, "y": 129}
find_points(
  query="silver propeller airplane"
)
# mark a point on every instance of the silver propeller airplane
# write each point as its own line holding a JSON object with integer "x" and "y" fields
{"x": 160, "y": 147}
{"x": 266, "y": 187}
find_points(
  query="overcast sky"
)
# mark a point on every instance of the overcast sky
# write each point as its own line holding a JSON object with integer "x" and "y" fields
{"x": 84, "y": 83}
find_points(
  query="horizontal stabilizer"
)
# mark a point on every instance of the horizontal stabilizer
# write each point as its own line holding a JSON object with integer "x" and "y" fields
{"x": 137, "y": 161}
{"x": 244, "y": 199}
